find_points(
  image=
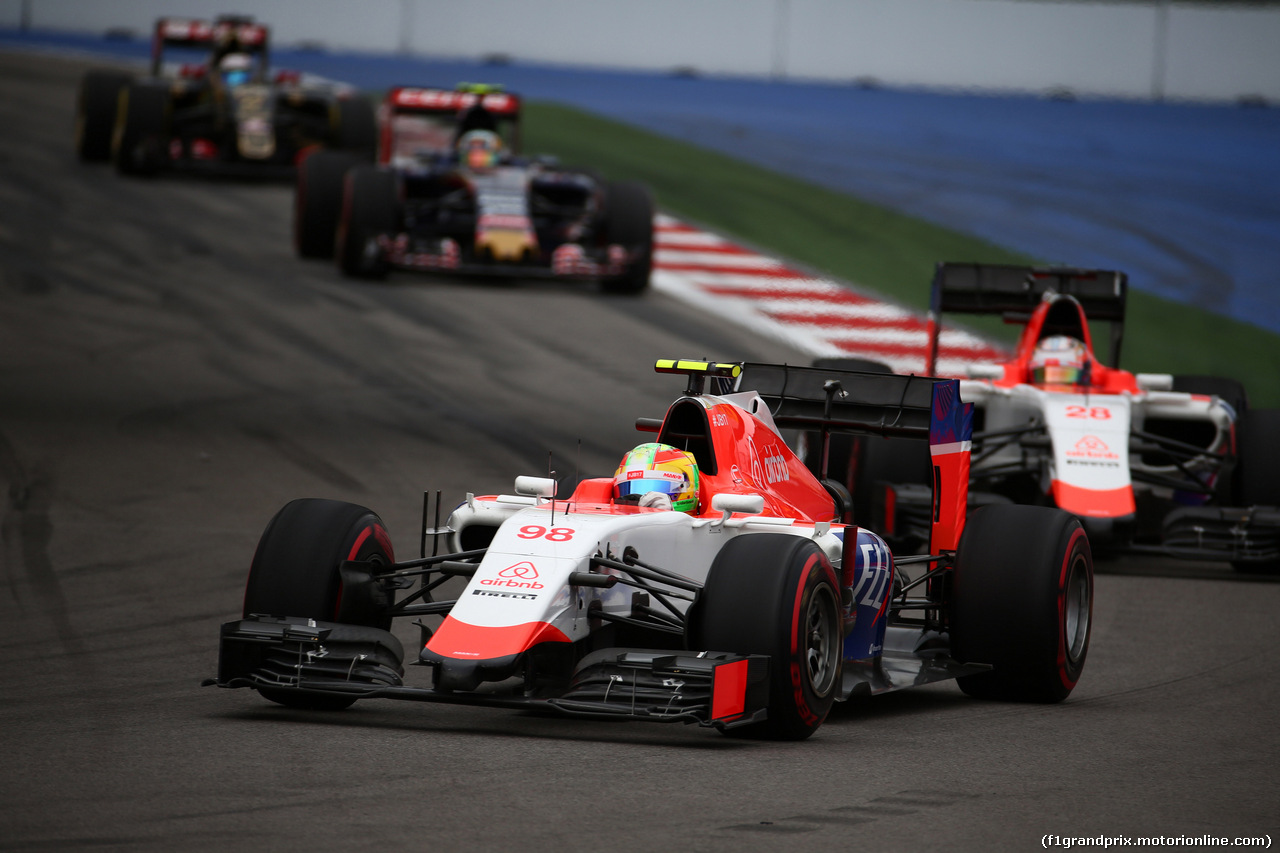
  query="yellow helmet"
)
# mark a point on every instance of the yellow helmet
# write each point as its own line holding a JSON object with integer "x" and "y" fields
{"x": 658, "y": 468}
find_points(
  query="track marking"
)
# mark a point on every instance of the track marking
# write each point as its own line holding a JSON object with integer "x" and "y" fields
{"x": 818, "y": 316}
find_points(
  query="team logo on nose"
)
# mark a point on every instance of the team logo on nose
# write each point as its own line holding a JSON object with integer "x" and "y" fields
{"x": 522, "y": 575}
{"x": 524, "y": 570}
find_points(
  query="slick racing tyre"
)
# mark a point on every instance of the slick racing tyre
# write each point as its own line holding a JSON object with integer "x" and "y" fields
{"x": 96, "y": 114}
{"x": 295, "y": 569}
{"x": 370, "y": 209}
{"x": 317, "y": 201}
{"x": 1257, "y": 474}
{"x": 140, "y": 141}
{"x": 357, "y": 128}
{"x": 1022, "y": 601}
{"x": 777, "y": 595}
{"x": 294, "y": 573}
{"x": 628, "y": 222}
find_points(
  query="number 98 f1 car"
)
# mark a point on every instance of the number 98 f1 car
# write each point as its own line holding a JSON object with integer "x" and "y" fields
{"x": 709, "y": 580}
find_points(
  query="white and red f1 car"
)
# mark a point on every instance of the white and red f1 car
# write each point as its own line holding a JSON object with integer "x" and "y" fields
{"x": 425, "y": 207}
{"x": 1175, "y": 465}
{"x": 755, "y": 612}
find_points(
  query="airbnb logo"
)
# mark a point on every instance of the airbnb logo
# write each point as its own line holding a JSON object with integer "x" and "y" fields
{"x": 525, "y": 570}
{"x": 1092, "y": 447}
{"x": 522, "y": 575}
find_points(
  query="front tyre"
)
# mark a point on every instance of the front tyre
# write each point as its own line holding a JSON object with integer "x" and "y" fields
{"x": 318, "y": 200}
{"x": 140, "y": 140}
{"x": 1022, "y": 601}
{"x": 628, "y": 222}
{"x": 96, "y": 113}
{"x": 777, "y": 595}
{"x": 295, "y": 569}
{"x": 370, "y": 209}
{"x": 1257, "y": 474}
{"x": 295, "y": 573}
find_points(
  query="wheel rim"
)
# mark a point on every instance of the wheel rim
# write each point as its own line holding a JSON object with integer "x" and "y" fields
{"x": 1076, "y": 610}
{"x": 822, "y": 651}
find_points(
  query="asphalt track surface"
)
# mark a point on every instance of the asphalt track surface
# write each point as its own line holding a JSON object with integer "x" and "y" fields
{"x": 1185, "y": 198}
{"x": 170, "y": 375}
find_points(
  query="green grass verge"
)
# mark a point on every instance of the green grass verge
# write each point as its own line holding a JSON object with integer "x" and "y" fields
{"x": 873, "y": 247}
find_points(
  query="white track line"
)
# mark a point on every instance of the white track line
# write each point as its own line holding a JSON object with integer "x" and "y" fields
{"x": 817, "y": 316}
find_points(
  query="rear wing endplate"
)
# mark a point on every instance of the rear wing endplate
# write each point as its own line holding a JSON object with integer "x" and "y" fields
{"x": 893, "y": 405}
{"x": 1015, "y": 291}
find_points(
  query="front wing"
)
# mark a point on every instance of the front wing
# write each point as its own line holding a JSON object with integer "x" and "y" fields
{"x": 299, "y": 656}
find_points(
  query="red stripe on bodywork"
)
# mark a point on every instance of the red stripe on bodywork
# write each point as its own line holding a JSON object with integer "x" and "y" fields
{"x": 729, "y": 690}
{"x": 458, "y": 639}
{"x": 1095, "y": 503}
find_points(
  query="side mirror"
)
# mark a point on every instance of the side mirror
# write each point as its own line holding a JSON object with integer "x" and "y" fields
{"x": 729, "y": 503}
{"x": 1155, "y": 381}
{"x": 539, "y": 487}
{"x": 985, "y": 371}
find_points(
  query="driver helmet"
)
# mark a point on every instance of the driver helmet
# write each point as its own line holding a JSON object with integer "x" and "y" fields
{"x": 478, "y": 150}
{"x": 1060, "y": 360}
{"x": 655, "y": 474}
{"x": 236, "y": 68}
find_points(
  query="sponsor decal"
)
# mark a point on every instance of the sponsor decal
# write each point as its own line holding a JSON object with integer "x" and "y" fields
{"x": 769, "y": 467}
{"x": 1092, "y": 447}
{"x": 493, "y": 593}
{"x": 522, "y": 575}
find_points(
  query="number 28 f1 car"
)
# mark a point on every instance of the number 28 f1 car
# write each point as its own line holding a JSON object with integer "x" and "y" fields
{"x": 722, "y": 591}
{"x": 225, "y": 113}
{"x": 451, "y": 193}
{"x": 1175, "y": 465}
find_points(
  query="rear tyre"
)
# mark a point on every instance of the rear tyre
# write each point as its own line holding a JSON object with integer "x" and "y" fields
{"x": 777, "y": 595}
{"x": 1257, "y": 474}
{"x": 96, "y": 114}
{"x": 357, "y": 128}
{"x": 628, "y": 222}
{"x": 140, "y": 142}
{"x": 318, "y": 201}
{"x": 370, "y": 209}
{"x": 1022, "y": 601}
{"x": 294, "y": 573}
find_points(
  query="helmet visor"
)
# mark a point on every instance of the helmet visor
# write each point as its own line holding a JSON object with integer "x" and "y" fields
{"x": 632, "y": 488}
{"x": 1055, "y": 374}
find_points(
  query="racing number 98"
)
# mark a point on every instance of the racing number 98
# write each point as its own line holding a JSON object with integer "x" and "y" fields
{"x": 555, "y": 534}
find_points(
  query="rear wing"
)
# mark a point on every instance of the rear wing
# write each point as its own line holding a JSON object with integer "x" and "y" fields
{"x": 446, "y": 106}
{"x": 224, "y": 35}
{"x": 892, "y": 405}
{"x": 1014, "y": 292}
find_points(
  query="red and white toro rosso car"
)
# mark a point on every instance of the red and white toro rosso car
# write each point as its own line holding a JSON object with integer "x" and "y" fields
{"x": 451, "y": 193}
{"x": 753, "y": 611}
{"x": 1178, "y": 465}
